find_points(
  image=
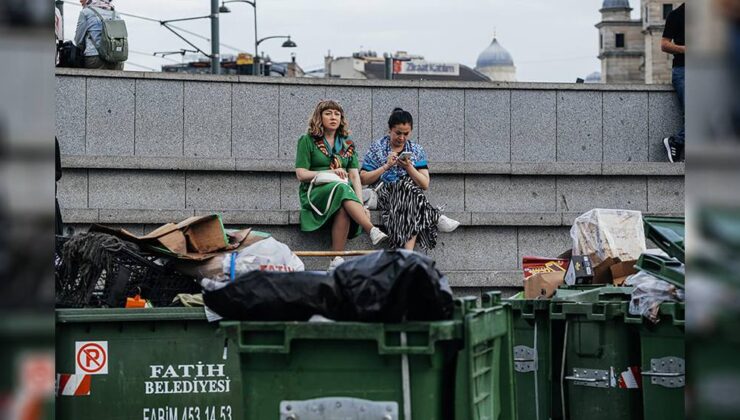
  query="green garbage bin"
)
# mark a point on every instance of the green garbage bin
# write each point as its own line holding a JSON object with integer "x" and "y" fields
{"x": 437, "y": 370}
{"x": 157, "y": 363}
{"x": 663, "y": 362}
{"x": 532, "y": 349}
{"x": 538, "y": 346}
{"x": 600, "y": 362}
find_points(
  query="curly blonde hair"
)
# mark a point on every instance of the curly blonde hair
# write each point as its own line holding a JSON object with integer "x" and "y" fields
{"x": 315, "y": 126}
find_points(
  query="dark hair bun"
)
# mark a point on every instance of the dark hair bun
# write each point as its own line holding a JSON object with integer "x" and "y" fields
{"x": 397, "y": 110}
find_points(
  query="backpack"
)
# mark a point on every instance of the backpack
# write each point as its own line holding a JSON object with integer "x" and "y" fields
{"x": 69, "y": 55}
{"x": 113, "y": 46}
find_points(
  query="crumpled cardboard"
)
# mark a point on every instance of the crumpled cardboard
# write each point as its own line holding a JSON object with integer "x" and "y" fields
{"x": 195, "y": 238}
{"x": 622, "y": 270}
{"x": 543, "y": 285}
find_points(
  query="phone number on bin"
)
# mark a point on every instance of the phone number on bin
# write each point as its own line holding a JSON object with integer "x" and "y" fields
{"x": 211, "y": 412}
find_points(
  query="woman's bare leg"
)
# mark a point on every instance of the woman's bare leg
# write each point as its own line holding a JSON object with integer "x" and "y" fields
{"x": 410, "y": 244}
{"x": 339, "y": 230}
{"x": 357, "y": 213}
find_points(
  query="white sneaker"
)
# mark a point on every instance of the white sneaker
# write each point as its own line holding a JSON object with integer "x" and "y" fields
{"x": 446, "y": 225}
{"x": 377, "y": 236}
{"x": 336, "y": 262}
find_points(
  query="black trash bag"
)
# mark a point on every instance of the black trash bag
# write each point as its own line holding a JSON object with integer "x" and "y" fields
{"x": 392, "y": 286}
{"x": 276, "y": 296}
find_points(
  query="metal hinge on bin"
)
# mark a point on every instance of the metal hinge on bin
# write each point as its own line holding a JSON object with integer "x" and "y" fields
{"x": 668, "y": 372}
{"x": 596, "y": 378}
{"x": 338, "y": 408}
{"x": 525, "y": 359}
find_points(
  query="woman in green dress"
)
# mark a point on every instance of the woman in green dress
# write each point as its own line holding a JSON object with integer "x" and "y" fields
{"x": 326, "y": 147}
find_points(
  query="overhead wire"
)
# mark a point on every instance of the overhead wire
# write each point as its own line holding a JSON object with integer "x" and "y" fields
{"x": 129, "y": 63}
{"x": 148, "y": 54}
{"x": 179, "y": 28}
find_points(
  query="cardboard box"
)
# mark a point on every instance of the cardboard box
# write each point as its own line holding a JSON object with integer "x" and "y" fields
{"x": 543, "y": 285}
{"x": 535, "y": 265}
{"x": 602, "y": 271}
{"x": 622, "y": 270}
{"x": 580, "y": 270}
{"x": 196, "y": 238}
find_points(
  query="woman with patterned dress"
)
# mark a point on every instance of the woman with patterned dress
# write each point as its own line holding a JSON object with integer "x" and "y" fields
{"x": 397, "y": 169}
{"x": 327, "y": 147}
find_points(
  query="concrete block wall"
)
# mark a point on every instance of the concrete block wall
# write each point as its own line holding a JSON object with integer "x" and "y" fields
{"x": 514, "y": 162}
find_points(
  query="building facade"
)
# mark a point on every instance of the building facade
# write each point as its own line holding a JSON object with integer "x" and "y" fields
{"x": 629, "y": 49}
{"x": 399, "y": 66}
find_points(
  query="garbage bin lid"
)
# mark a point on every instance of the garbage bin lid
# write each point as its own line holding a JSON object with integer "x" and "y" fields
{"x": 668, "y": 234}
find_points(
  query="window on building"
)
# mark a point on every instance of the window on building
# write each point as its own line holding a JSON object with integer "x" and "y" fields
{"x": 667, "y": 8}
{"x": 619, "y": 41}
{"x": 601, "y": 41}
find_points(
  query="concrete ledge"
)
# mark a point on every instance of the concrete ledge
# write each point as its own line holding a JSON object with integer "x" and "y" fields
{"x": 515, "y": 219}
{"x": 141, "y": 216}
{"x": 569, "y": 217}
{"x": 460, "y": 279}
{"x": 444, "y": 168}
{"x": 644, "y": 168}
{"x": 262, "y": 217}
{"x": 471, "y": 168}
{"x": 428, "y": 84}
{"x": 148, "y": 163}
{"x": 291, "y": 217}
{"x": 80, "y": 215}
{"x": 556, "y": 168}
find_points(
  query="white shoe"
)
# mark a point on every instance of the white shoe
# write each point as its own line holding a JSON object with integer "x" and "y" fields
{"x": 446, "y": 225}
{"x": 336, "y": 262}
{"x": 377, "y": 236}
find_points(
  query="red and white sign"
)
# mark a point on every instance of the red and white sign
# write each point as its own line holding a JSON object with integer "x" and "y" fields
{"x": 91, "y": 357}
{"x": 74, "y": 385}
{"x": 630, "y": 378}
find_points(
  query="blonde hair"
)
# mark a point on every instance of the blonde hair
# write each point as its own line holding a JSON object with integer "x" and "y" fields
{"x": 315, "y": 126}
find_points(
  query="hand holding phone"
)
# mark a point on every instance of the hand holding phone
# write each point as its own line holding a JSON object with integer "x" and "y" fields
{"x": 405, "y": 155}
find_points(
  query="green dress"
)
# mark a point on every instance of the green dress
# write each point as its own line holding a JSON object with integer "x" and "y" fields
{"x": 316, "y": 155}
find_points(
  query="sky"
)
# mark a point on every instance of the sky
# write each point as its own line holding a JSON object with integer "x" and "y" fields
{"x": 550, "y": 40}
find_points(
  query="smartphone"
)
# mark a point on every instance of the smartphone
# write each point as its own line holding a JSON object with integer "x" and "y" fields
{"x": 405, "y": 155}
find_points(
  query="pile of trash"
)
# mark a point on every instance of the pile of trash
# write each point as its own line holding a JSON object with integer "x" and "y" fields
{"x": 243, "y": 275}
{"x": 609, "y": 248}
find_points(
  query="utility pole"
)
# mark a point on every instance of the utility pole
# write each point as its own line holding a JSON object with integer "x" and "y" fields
{"x": 215, "y": 52}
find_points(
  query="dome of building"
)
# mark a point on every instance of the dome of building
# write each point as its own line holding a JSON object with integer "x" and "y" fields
{"x": 594, "y": 77}
{"x": 493, "y": 56}
{"x": 616, "y": 4}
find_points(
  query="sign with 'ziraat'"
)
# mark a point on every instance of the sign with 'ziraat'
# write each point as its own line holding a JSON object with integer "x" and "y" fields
{"x": 91, "y": 357}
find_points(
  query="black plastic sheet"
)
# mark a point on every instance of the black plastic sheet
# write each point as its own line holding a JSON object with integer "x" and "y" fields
{"x": 386, "y": 286}
{"x": 276, "y": 296}
{"x": 391, "y": 286}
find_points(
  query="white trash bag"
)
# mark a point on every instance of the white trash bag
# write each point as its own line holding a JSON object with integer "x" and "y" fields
{"x": 265, "y": 255}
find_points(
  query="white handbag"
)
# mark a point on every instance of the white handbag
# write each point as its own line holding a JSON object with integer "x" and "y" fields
{"x": 370, "y": 197}
{"x": 325, "y": 178}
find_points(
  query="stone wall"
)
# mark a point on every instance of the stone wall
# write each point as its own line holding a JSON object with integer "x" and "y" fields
{"x": 514, "y": 162}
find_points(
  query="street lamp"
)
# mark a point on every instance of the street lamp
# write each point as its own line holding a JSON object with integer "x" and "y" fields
{"x": 287, "y": 44}
{"x": 224, "y": 9}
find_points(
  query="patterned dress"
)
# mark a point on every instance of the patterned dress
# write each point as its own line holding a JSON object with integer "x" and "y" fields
{"x": 315, "y": 154}
{"x": 405, "y": 210}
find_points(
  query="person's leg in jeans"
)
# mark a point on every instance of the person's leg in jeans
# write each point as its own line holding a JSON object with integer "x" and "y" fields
{"x": 678, "y": 80}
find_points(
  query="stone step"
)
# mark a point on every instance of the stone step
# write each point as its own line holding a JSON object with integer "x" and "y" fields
{"x": 291, "y": 217}
{"x": 449, "y": 168}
